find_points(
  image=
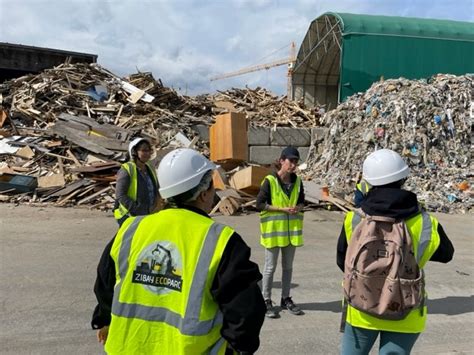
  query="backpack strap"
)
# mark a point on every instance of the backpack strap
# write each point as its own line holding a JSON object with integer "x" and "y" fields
{"x": 342, "y": 326}
{"x": 359, "y": 214}
{"x": 423, "y": 294}
{"x": 381, "y": 219}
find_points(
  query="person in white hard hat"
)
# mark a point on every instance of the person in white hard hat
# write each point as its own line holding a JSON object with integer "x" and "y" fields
{"x": 137, "y": 184}
{"x": 386, "y": 172}
{"x": 177, "y": 282}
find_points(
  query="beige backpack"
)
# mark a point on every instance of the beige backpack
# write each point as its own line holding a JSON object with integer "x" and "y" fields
{"x": 382, "y": 277}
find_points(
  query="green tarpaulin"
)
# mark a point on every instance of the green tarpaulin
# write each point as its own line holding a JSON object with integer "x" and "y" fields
{"x": 391, "y": 47}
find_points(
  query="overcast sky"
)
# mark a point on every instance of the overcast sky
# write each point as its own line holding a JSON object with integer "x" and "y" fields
{"x": 186, "y": 42}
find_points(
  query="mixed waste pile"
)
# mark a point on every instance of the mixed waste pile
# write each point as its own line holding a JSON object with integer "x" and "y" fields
{"x": 427, "y": 122}
{"x": 70, "y": 127}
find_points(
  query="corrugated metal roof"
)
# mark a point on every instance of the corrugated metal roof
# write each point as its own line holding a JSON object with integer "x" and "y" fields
{"x": 405, "y": 26}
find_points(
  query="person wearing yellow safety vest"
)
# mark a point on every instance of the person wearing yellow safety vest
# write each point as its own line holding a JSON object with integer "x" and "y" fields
{"x": 386, "y": 172}
{"x": 360, "y": 193}
{"x": 281, "y": 201}
{"x": 177, "y": 282}
{"x": 137, "y": 186}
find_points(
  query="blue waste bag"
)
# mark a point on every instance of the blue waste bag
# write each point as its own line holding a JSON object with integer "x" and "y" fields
{"x": 98, "y": 93}
{"x": 452, "y": 198}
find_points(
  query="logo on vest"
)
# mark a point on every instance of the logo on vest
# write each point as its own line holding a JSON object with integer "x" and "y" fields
{"x": 159, "y": 268}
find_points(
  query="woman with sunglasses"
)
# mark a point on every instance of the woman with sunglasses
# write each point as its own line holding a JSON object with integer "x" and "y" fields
{"x": 137, "y": 185}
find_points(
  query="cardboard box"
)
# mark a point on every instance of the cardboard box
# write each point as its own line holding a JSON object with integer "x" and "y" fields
{"x": 249, "y": 179}
{"x": 228, "y": 138}
{"x": 219, "y": 179}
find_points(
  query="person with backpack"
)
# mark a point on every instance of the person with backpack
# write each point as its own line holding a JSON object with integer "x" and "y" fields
{"x": 382, "y": 249}
{"x": 280, "y": 202}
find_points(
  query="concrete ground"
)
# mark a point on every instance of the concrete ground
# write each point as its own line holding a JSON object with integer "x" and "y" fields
{"x": 48, "y": 261}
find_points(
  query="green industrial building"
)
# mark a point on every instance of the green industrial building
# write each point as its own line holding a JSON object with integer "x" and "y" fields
{"x": 343, "y": 54}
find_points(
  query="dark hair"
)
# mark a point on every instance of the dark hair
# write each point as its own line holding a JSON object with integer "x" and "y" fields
{"x": 276, "y": 165}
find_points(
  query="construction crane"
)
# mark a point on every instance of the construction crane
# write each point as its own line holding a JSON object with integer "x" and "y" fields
{"x": 290, "y": 61}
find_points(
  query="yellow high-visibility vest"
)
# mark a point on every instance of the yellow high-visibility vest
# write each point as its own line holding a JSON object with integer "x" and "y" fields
{"x": 165, "y": 264}
{"x": 131, "y": 168}
{"x": 279, "y": 229}
{"x": 363, "y": 187}
{"x": 423, "y": 230}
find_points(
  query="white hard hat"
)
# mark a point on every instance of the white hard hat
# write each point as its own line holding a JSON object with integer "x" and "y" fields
{"x": 181, "y": 170}
{"x": 383, "y": 167}
{"x": 135, "y": 143}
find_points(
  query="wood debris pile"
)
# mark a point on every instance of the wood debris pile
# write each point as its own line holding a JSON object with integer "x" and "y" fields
{"x": 427, "y": 122}
{"x": 264, "y": 109}
{"x": 139, "y": 103}
{"x": 69, "y": 128}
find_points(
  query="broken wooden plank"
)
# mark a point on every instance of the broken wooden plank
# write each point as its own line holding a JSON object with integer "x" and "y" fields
{"x": 63, "y": 201}
{"x": 53, "y": 180}
{"x": 73, "y": 157}
{"x": 71, "y": 187}
{"x": 25, "y": 152}
{"x": 228, "y": 206}
{"x": 94, "y": 195}
{"x": 80, "y": 138}
{"x": 3, "y": 117}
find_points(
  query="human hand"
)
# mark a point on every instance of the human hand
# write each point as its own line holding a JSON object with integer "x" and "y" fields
{"x": 290, "y": 210}
{"x": 102, "y": 334}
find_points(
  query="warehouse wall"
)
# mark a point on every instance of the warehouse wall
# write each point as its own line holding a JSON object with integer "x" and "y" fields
{"x": 17, "y": 60}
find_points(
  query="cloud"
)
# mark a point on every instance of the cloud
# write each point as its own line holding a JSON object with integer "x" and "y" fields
{"x": 254, "y": 4}
{"x": 234, "y": 43}
{"x": 186, "y": 42}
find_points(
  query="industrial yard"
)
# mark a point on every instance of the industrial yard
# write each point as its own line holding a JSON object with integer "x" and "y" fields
{"x": 355, "y": 85}
{"x": 49, "y": 257}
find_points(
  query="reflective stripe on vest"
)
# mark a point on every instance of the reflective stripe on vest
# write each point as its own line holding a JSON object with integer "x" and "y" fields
{"x": 217, "y": 348}
{"x": 131, "y": 168}
{"x": 363, "y": 187}
{"x": 281, "y": 217}
{"x": 279, "y": 229}
{"x": 190, "y": 324}
{"x": 281, "y": 234}
{"x": 425, "y": 237}
{"x": 356, "y": 220}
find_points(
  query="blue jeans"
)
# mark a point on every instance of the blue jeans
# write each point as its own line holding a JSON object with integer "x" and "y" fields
{"x": 359, "y": 341}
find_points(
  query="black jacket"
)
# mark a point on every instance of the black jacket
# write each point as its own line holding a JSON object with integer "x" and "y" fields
{"x": 395, "y": 203}
{"x": 264, "y": 197}
{"x": 234, "y": 288}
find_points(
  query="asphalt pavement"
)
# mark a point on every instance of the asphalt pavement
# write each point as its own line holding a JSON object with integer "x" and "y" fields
{"x": 48, "y": 260}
